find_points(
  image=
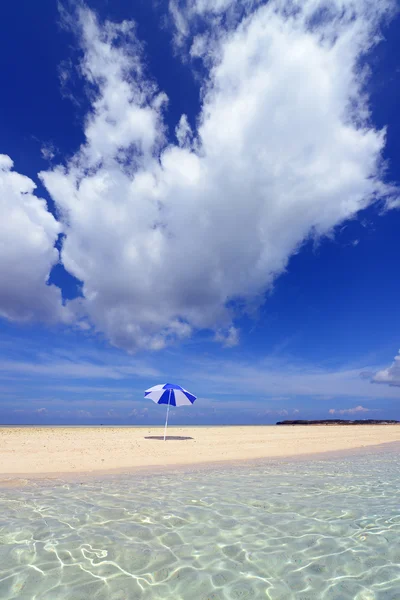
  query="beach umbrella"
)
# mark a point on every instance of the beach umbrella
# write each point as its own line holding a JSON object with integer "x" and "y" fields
{"x": 171, "y": 395}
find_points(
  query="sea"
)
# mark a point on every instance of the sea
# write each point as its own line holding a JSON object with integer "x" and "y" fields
{"x": 324, "y": 527}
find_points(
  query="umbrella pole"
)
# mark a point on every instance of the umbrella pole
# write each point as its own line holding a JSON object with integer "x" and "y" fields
{"x": 166, "y": 420}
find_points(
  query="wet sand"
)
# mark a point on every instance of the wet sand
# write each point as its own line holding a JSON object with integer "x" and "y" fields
{"x": 50, "y": 451}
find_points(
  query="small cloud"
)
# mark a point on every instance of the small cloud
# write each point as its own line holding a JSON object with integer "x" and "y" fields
{"x": 228, "y": 338}
{"x": 48, "y": 151}
{"x": 112, "y": 413}
{"x": 139, "y": 414}
{"x": 41, "y": 411}
{"x": 390, "y": 375}
{"x": 271, "y": 412}
{"x": 83, "y": 325}
{"x": 67, "y": 75}
{"x": 350, "y": 411}
{"x": 84, "y": 413}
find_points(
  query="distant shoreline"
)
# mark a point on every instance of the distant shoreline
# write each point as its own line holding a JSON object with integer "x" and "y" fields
{"x": 340, "y": 422}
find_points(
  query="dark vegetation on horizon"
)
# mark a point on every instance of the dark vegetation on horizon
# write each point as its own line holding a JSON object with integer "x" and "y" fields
{"x": 340, "y": 422}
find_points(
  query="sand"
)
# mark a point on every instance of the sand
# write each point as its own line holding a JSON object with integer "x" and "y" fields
{"x": 36, "y": 451}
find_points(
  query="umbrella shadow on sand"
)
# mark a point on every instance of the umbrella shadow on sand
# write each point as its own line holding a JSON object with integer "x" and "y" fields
{"x": 168, "y": 437}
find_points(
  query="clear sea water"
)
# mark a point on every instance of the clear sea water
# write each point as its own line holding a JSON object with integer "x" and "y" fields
{"x": 309, "y": 529}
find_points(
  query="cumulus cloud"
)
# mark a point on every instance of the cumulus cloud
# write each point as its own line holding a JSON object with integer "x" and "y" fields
{"x": 28, "y": 233}
{"x": 391, "y": 375}
{"x": 350, "y": 411}
{"x": 167, "y": 237}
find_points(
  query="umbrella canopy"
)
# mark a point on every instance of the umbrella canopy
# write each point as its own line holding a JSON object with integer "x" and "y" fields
{"x": 171, "y": 395}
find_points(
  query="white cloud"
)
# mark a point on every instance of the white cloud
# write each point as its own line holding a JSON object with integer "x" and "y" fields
{"x": 272, "y": 412}
{"x": 183, "y": 132}
{"x": 166, "y": 237}
{"x": 390, "y": 375}
{"x": 48, "y": 151}
{"x": 84, "y": 413}
{"x": 350, "y": 411}
{"x": 186, "y": 16}
{"x": 28, "y": 233}
{"x": 139, "y": 413}
{"x": 228, "y": 338}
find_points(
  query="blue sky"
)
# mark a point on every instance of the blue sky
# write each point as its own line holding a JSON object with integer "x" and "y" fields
{"x": 216, "y": 205}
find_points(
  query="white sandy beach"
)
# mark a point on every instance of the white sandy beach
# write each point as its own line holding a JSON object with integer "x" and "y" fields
{"x": 33, "y": 451}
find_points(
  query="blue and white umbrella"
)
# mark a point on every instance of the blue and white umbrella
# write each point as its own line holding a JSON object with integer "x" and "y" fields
{"x": 171, "y": 395}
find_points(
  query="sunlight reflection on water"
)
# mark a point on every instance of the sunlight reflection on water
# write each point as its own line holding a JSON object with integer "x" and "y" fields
{"x": 316, "y": 529}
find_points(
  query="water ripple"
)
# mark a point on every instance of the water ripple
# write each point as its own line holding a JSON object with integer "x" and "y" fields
{"x": 325, "y": 530}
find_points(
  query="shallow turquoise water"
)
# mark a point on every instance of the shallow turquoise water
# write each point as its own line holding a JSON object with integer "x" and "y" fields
{"x": 317, "y": 529}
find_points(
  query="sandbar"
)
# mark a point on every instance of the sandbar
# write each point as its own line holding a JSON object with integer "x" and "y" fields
{"x": 51, "y": 451}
